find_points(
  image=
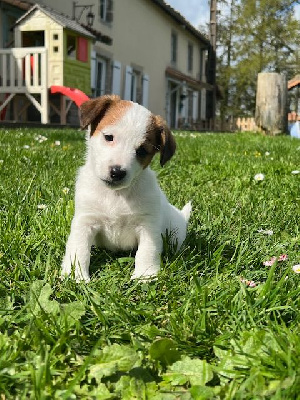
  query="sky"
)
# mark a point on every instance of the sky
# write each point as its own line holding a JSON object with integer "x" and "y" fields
{"x": 197, "y": 11}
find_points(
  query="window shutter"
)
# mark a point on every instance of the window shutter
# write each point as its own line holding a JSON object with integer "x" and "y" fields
{"x": 195, "y": 105}
{"x": 109, "y": 11}
{"x": 128, "y": 82}
{"x": 203, "y": 104}
{"x": 145, "y": 90}
{"x": 93, "y": 69}
{"x": 116, "y": 78}
{"x": 82, "y": 49}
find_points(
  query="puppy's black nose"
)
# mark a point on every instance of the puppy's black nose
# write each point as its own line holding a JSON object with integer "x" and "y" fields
{"x": 117, "y": 173}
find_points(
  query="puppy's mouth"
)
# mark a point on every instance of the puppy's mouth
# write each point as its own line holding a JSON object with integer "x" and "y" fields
{"x": 115, "y": 184}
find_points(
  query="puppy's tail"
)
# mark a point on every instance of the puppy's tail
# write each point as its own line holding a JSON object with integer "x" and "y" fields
{"x": 186, "y": 211}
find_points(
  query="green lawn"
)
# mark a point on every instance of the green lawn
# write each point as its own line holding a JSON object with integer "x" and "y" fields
{"x": 217, "y": 324}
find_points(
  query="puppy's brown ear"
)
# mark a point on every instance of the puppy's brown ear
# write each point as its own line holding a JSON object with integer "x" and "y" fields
{"x": 167, "y": 141}
{"x": 92, "y": 111}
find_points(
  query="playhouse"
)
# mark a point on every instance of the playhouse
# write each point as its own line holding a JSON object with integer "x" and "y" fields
{"x": 52, "y": 55}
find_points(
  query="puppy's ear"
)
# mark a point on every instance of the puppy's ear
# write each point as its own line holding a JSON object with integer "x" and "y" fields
{"x": 92, "y": 111}
{"x": 167, "y": 141}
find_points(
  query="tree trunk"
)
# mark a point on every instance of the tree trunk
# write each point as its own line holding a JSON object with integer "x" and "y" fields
{"x": 271, "y": 103}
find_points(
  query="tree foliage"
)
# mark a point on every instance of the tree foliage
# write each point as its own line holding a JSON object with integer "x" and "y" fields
{"x": 254, "y": 36}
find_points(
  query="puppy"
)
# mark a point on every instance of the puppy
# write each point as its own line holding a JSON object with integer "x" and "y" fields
{"x": 118, "y": 203}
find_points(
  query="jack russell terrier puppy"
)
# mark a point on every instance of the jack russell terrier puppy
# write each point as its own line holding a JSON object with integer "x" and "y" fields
{"x": 118, "y": 202}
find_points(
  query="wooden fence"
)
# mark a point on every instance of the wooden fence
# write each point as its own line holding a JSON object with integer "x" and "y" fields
{"x": 232, "y": 124}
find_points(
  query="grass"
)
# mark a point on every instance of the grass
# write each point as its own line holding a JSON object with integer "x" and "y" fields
{"x": 198, "y": 332}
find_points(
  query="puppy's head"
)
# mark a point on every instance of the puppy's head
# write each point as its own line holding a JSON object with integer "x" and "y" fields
{"x": 124, "y": 137}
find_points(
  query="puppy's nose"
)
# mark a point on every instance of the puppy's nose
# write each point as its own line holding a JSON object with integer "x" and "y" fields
{"x": 117, "y": 173}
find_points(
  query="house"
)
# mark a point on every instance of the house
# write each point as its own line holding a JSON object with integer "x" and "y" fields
{"x": 153, "y": 55}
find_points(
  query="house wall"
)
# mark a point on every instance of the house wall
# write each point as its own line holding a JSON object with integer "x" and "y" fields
{"x": 148, "y": 45}
{"x": 141, "y": 34}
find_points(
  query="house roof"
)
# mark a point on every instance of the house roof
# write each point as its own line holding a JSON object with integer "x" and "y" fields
{"x": 61, "y": 19}
{"x": 181, "y": 20}
{"x": 174, "y": 73}
{"x": 22, "y": 4}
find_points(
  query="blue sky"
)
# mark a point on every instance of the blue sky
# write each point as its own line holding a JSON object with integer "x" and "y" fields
{"x": 195, "y": 11}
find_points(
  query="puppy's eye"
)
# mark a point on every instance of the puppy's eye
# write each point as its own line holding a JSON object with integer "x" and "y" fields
{"x": 141, "y": 152}
{"x": 109, "y": 138}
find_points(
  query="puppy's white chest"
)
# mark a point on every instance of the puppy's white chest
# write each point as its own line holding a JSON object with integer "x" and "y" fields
{"x": 118, "y": 233}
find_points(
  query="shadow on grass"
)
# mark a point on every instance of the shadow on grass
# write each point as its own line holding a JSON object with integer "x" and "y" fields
{"x": 196, "y": 248}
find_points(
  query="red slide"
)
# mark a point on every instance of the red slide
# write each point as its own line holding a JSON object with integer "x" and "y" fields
{"x": 74, "y": 94}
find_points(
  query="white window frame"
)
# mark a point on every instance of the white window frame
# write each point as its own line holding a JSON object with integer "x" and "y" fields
{"x": 105, "y": 5}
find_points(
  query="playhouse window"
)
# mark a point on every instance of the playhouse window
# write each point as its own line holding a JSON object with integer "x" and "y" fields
{"x": 71, "y": 46}
{"x": 77, "y": 48}
{"x": 33, "y": 38}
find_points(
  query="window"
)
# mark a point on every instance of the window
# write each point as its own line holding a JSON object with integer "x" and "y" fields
{"x": 77, "y": 48}
{"x": 101, "y": 65}
{"x": 106, "y": 10}
{"x": 33, "y": 38}
{"x": 133, "y": 88}
{"x": 136, "y": 87}
{"x": 71, "y": 46}
{"x": 190, "y": 57}
{"x": 174, "y": 47}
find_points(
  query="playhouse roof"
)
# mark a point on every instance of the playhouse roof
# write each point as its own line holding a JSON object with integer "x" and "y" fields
{"x": 61, "y": 19}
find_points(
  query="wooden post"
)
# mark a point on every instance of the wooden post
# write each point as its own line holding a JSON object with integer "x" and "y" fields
{"x": 271, "y": 103}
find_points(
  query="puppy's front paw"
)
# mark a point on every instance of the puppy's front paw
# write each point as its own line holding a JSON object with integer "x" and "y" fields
{"x": 145, "y": 274}
{"x": 79, "y": 274}
{"x": 143, "y": 278}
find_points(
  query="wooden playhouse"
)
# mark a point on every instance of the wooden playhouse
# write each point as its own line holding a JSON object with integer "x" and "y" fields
{"x": 51, "y": 50}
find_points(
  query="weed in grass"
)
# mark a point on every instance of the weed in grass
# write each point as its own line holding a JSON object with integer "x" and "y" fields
{"x": 201, "y": 331}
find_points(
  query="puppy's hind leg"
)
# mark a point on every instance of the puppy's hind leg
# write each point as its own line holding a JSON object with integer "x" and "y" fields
{"x": 186, "y": 211}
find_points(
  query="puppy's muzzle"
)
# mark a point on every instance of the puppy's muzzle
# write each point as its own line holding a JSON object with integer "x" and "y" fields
{"x": 116, "y": 173}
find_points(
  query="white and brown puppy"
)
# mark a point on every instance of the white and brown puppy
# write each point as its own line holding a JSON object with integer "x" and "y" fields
{"x": 118, "y": 203}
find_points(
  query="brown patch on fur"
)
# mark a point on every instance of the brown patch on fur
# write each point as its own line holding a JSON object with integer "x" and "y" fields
{"x": 158, "y": 138}
{"x": 167, "y": 141}
{"x": 95, "y": 112}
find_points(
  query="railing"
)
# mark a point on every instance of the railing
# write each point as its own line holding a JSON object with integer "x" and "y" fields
{"x": 24, "y": 71}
